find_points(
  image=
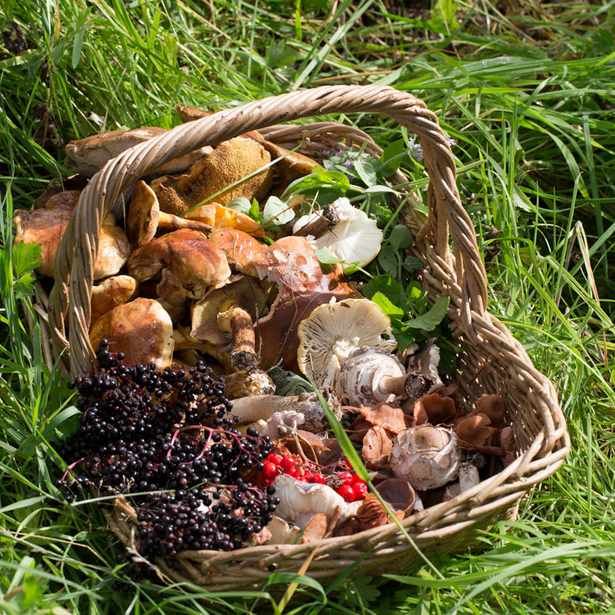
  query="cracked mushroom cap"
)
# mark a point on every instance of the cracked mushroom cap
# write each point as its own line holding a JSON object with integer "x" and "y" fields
{"x": 110, "y": 293}
{"x": 334, "y": 331}
{"x": 243, "y": 252}
{"x": 141, "y": 329}
{"x": 231, "y": 170}
{"x": 46, "y": 225}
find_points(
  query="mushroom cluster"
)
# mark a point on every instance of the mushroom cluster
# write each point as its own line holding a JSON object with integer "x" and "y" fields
{"x": 209, "y": 268}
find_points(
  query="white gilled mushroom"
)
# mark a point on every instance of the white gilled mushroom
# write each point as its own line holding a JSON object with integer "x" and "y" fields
{"x": 354, "y": 239}
{"x": 92, "y": 153}
{"x": 144, "y": 217}
{"x": 335, "y": 331}
{"x": 426, "y": 456}
{"x": 300, "y": 501}
{"x": 468, "y": 478}
{"x": 110, "y": 293}
{"x": 141, "y": 329}
{"x": 262, "y": 407}
{"x": 46, "y": 225}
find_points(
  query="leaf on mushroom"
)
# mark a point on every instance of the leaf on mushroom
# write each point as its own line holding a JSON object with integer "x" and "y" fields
{"x": 377, "y": 447}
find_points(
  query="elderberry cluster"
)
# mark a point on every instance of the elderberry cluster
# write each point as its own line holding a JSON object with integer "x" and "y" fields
{"x": 144, "y": 430}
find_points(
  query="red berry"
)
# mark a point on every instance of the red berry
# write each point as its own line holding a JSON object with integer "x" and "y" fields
{"x": 345, "y": 477}
{"x": 274, "y": 458}
{"x": 317, "y": 477}
{"x": 359, "y": 490}
{"x": 270, "y": 470}
{"x": 346, "y": 492}
{"x": 287, "y": 463}
{"x": 293, "y": 472}
{"x": 357, "y": 479}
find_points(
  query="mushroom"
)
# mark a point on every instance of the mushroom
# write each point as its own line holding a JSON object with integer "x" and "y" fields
{"x": 145, "y": 218}
{"x": 219, "y": 216}
{"x": 234, "y": 168}
{"x": 435, "y": 409}
{"x": 300, "y": 501}
{"x": 276, "y": 333}
{"x": 187, "y": 345}
{"x": 426, "y": 456}
{"x": 141, "y": 329}
{"x": 243, "y": 292}
{"x": 247, "y": 384}
{"x": 291, "y": 164}
{"x": 188, "y": 264}
{"x": 111, "y": 292}
{"x": 92, "y": 153}
{"x": 354, "y": 239}
{"x": 262, "y": 407}
{"x": 468, "y": 478}
{"x": 475, "y": 431}
{"x": 46, "y": 225}
{"x": 335, "y": 331}
{"x": 243, "y": 252}
{"x": 398, "y": 493}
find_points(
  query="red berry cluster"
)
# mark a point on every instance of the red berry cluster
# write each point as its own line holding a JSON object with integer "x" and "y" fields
{"x": 276, "y": 464}
{"x": 352, "y": 488}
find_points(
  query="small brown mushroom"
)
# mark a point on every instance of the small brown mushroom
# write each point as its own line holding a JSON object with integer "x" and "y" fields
{"x": 476, "y": 431}
{"x": 435, "y": 409}
{"x": 187, "y": 262}
{"x": 248, "y": 383}
{"x": 144, "y": 217}
{"x": 46, "y": 225}
{"x": 141, "y": 329}
{"x": 398, "y": 493}
{"x": 92, "y": 153}
{"x": 234, "y": 168}
{"x": 110, "y": 293}
{"x": 493, "y": 406}
{"x": 238, "y": 323}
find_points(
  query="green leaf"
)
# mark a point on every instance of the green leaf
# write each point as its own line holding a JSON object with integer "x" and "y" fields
{"x": 392, "y": 157}
{"x": 386, "y": 305}
{"x": 400, "y": 237}
{"x": 326, "y": 257}
{"x": 443, "y": 19}
{"x": 279, "y": 54}
{"x": 388, "y": 286}
{"x": 255, "y": 211}
{"x": 412, "y": 264}
{"x": 319, "y": 179}
{"x": 26, "y": 258}
{"x": 388, "y": 259}
{"x": 431, "y": 319}
{"x": 367, "y": 170}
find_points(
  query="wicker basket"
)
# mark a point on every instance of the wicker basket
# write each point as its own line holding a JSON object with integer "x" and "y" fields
{"x": 491, "y": 360}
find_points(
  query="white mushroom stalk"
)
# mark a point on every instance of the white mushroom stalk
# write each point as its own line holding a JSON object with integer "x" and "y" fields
{"x": 262, "y": 407}
{"x": 354, "y": 238}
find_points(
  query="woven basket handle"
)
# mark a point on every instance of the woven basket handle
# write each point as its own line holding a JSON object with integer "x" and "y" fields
{"x": 77, "y": 252}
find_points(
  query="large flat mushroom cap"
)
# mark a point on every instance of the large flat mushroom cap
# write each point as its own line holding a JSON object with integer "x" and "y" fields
{"x": 333, "y": 331}
{"x": 143, "y": 214}
{"x": 224, "y": 174}
{"x": 141, "y": 329}
{"x": 113, "y": 251}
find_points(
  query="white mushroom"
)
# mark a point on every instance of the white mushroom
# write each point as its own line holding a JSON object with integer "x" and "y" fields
{"x": 300, "y": 501}
{"x": 354, "y": 239}
{"x": 426, "y": 456}
{"x": 335, "y": 331}
{"x": 468, "y": 478}
{"x": 255, "y": 408}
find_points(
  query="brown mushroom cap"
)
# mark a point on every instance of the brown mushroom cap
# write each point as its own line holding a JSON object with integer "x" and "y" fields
{"x": 141, "y": 329}
{"x": 143, "y": 214}
{"x": 243, "y": 252}
{"x": 223, "y": 175}
{"x": 291, "y": 165}
{"x": 46, "y": 225}
{"x": 189, "y": 263}
{"x": 111, "y": 292}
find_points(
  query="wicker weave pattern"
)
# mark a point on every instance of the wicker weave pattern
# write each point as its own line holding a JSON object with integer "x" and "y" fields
{"x": 492, "y": 360}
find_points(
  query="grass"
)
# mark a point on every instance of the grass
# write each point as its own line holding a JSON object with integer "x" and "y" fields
{"x": 527, "y": 94}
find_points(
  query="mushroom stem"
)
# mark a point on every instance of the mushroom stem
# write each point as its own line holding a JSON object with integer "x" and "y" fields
{"x": 261, "y": 407}
{"x": 238, "y": 323}
{"x": 169, "y": 221}
{"x": 320, "y": 224}
{"x": 392, "y": 385}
